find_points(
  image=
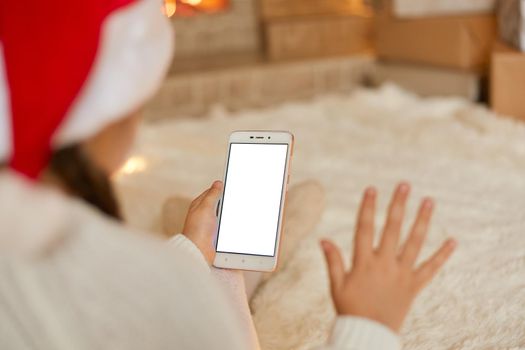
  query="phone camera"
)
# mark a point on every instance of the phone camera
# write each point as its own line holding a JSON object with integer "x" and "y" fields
{"x": 269, "y": 137}
{"x": 251, "y": 137}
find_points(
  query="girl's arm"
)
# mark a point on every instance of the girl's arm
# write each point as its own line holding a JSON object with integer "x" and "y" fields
{"x": 373, "y": 298}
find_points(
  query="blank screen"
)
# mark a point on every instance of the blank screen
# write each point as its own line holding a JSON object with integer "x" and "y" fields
{"x": 252, "y": 199}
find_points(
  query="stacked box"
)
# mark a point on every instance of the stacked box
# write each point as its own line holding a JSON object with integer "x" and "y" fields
{"x": 435, "y": 47}
{"x": 460, "y": 42}
{"x": 272, "y": 9}
{"x": 318, "y": 36}
{"x": 431, "y": 8}
{"x": 507, "y": 79}
{"x": 428, "y": 80}
{"x": 315, "y": 28}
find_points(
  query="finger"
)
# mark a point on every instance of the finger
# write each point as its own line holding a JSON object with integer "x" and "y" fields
{"x": 394, "y": 222}
{"x": 334, "y": 261}
{"x": 428, "y": 269}
{"x": 413, "y": 245}
{"x": 217, "y": 184}
{"x": 195, "y": 203}
{"x": 364, "y": 235}
{"x": 212, "y": 197}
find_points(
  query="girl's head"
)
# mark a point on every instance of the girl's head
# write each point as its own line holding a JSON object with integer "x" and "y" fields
{"x": 73, "y": 75}
{"x": 83, "y": 169}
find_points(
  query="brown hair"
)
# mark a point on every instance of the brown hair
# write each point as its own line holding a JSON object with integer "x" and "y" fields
{"x": 84, "y": 180}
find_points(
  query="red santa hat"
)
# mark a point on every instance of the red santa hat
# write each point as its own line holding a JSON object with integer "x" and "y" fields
{"x": 68, "y": 68}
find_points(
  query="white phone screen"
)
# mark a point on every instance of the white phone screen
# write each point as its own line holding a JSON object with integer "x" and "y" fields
{"x": 253, "y": 189}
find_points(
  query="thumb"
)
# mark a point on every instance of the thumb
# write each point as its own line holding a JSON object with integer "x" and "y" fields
{"x": 214, "y": 193}
{"x": 334, "y": 260}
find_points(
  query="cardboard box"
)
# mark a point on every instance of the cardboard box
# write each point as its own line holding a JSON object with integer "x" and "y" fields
{"x": 429, "y": 80}
{"x": 507, "y": 81}
{"x": 462, "y": 42}
{"x": 304, "y": 37}
{"x": 272, "y": 9}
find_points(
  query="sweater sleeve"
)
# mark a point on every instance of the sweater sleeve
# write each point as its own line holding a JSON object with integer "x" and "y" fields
{"x": 182, "y": 243}
{"x": 231, "y": 282}
{"x": 356, "y": 333}
{"x": 349, "y": 333}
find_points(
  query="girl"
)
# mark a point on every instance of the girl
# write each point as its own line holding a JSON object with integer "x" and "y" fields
{"x": 72, "y": 75}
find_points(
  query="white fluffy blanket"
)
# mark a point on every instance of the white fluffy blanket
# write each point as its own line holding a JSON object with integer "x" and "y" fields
{"x": 470, "y": 161}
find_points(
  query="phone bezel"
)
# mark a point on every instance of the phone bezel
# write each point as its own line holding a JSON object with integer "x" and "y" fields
{"x": 257, "y": 262}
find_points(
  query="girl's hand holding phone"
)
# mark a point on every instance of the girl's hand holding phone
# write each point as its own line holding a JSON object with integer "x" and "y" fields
{"x": 383, "y": 282}
{"x": 201, "y": 222}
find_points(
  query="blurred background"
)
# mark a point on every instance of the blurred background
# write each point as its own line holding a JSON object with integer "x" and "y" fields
{"x": 228, "y": 51}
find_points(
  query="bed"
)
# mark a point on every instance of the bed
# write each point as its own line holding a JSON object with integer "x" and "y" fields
{"x": 471, "y": 161}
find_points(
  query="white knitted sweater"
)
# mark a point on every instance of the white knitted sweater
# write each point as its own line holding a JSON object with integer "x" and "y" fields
{"x": 72, "y": 279}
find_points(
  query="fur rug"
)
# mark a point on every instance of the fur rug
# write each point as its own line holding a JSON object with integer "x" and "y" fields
{"x": 469, "y": 160}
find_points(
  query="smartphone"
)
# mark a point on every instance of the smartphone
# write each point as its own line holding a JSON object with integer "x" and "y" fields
{"x": 250, "y": 211}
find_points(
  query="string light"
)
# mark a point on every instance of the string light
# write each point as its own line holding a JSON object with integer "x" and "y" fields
{"x": 170, "y": 7}
{"x": 133, "y": 165}
{"x": 192, "y": 2}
